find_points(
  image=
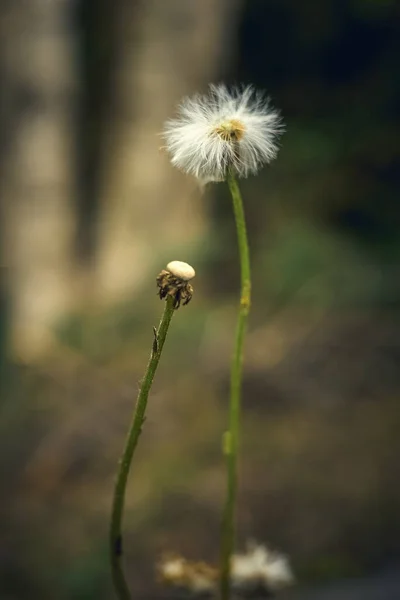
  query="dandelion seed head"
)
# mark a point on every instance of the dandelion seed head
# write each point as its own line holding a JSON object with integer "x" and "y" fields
{"x": 256, "y": 572}
{"x": 260, "y": 568}
{"x": 197, "y": 578}
{"x": 223, "y": 130}
{"x": 172, "y": 568}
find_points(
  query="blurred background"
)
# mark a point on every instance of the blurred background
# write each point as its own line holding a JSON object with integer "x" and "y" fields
{"x": 92, "y": 210}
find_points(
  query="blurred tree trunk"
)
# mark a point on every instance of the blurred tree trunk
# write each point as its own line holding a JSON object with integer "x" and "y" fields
{"x": 152, "y": 214}
{"x": 37, "y": 179}
{"x": 90, "y": 201}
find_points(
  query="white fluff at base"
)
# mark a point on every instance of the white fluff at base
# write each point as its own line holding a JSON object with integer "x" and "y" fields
{"x": 254, "y": 573}
{"x": 261, "y": 567}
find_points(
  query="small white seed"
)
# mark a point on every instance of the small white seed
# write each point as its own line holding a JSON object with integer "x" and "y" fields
{"x": 181, "y": 269}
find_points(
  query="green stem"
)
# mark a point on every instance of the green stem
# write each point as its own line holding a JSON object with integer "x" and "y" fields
{"x": 231, "y": 440}
{"x": 116, "y": 551}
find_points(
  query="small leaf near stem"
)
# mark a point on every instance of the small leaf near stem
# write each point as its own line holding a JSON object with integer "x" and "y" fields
{"x": 231, "y": 448}
{"x": 155, "y": 341}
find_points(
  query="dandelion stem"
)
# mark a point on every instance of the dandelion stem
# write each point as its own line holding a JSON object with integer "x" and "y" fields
{"x": 231, "y": 440}
{"x": 116, "y": 548}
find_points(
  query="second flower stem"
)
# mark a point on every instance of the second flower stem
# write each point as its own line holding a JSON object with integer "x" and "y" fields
{"x": 116, "y": 550}
{"x": 231, "y": 441}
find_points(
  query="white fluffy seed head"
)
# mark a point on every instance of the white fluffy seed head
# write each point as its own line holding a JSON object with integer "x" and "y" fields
{"x": 181, "y": 269}
{"x": 225, "y": 129}
{"x": 261, "y": 567}
{"x": 172, "y": 568}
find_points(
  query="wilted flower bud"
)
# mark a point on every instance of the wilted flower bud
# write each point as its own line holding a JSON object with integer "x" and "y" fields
{"x": 174, "y": 281}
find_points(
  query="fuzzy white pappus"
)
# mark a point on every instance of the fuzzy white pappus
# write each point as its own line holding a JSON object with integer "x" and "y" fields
{"x": 260, "y": 568}
{"x": 224, "y": 130}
